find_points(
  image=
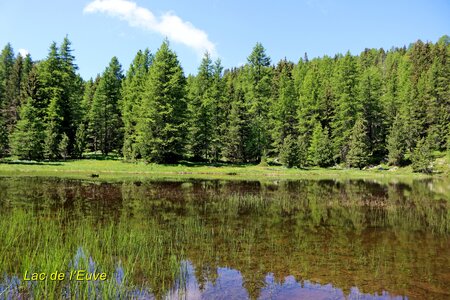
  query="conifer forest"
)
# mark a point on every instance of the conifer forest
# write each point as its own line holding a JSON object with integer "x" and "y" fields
{"x": 379, "y": 106}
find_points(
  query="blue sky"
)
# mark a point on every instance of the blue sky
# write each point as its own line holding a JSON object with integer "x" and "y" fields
{"x": 100, "y": 29}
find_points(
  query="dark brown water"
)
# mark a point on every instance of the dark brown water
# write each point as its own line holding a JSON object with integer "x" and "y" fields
{"x": 302, "y": 239}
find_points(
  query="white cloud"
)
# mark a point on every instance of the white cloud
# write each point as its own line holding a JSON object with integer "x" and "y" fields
{"x": 169, "y": 25}
{"x": 23, "y": 52}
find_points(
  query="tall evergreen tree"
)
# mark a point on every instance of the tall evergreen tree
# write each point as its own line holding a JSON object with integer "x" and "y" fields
{"x": 284, "y": 111}
{"x": 6, "y": 67}
{"x": 104, "y": 117}
{"x": 200, "y": 107}
{"x": 13, "y": 94}
{"x": 320, "y": 152}
{"x": 359, "y": 151}
{"x": 371, "y": 107}
{"x": 257, "y": 94}
{"x": 422, "y": 157}
{"x": 218, "y": 111}
{"x": 346, "y": 108}
{"x": 72, "y": 95}
{"x": 395, "y": 143}
{"x": 27, "y": 140}
{"x": 132, "y": 97}
{"x": 50, "y": 76}
{"x": 161, "y": 127}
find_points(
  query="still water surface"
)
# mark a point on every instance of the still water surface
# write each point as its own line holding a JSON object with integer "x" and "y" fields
{"x": 304, "y": 239}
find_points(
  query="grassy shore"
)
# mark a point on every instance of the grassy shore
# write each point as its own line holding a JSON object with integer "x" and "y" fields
{"x": 116, "y": 169}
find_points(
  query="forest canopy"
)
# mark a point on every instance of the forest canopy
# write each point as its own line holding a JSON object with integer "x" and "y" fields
{"x": 379, "y": 106}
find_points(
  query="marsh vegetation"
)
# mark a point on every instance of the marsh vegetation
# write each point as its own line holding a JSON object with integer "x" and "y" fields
{"x": 247, "y": 239}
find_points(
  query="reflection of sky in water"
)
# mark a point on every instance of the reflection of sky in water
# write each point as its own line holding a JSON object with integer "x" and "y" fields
{"x": 229, "y": 285}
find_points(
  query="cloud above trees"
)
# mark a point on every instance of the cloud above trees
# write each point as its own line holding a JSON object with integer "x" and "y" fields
{"x": 168, "y": 24}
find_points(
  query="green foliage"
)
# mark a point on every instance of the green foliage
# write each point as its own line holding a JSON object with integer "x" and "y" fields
{"x": 63, "y": 146}
{"x": 320, "y": 152}
{"x": 237, "y": 130}
{"x": 359, "y": 152}
{"x": 283, "y": 111}
{"x": 346, "y": 104}
{"x": 257, "y": 80}
{"x": 80, "y": 141}
{"x": 289, "y": 152}
{"x": 238, "y": 115}
{"x": 162, "y": 125}
{"x": 422, "y": 157}
{"x": 27, "y": 140}
{"x": 104, "y": 116}
{"x": 200, "y": 111}
{"x": 302, "y": 148}
{"x": 132, "y": 96}
{"x": 396, "y": 143}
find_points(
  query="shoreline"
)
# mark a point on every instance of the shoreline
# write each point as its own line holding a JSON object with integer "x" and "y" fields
{"x": 107, "y": 170}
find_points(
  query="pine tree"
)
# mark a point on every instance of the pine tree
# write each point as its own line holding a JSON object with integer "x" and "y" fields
{"x": 161, "y": 127}
{"x": 320, "y": 152}
{"x": 289, "y": 152}
{"x": 422, "y": 157}
{"x": 86, "y": 105}
{"x": 346, "y": 108}
{"x": 283, "y": 111}
{"x": 50, "y": 76}
{"x": 132, "y": 97}
{"x": 6, "y": 67}
{"x": 257, "y": 84}
{"x": 200, "y": 111}
{"x": 371, "y": 107}
{"x": 302, "y": 151}
{"x": 104, "y": 117}
{"x": 358, "y": 153}
{"x": 234, "y": 142}
{"x": 80, "y": 141}
{"x": 309, "y": 111}
{"x": 63, "y": 146}
{"x": 27, "y": 140}
{"x": 218, "y": 111}
{"x": 72, "y": 85}
{"x": 396, "y": 143}
{"x": 237, "y": 129}
{"x": 13, "y": 94}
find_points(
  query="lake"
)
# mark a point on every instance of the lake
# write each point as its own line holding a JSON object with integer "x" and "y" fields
{"x": 219, "y": 239}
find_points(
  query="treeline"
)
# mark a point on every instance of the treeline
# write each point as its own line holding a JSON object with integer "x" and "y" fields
{"x": 380, "y": 106}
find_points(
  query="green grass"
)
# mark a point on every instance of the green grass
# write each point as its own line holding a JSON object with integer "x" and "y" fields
{"x": 120, "y": 170}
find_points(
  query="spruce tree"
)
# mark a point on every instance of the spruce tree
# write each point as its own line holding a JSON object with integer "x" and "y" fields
{"x": 63, "y": 146}
{"x": 422, "y": 157}
{"x": 27, "y": 139}
{"x": 359, "y": 152}
{"x": 162, "y": 125}
{"x": 6, "y": 67}
{"x": 346, "y": 108}
{"x": 50, "y": 76}
{"x": 395, "y": 143}
{"x": 218, "y": 111}
{"x": 257, "y": 85}
{"x": 200, "y": 110}
{"x": 132, "y": 95}
{"x": 283, "y": 111}
{"x": 237, "y": 128}
{"x": 319, "y": 151}
{"x": 72, "y": 85}
{"x": 13, "y": 93}
{"x": 289, "y": 152}
{"x": 105, "y": 122}
{"x": 370, "y": 101}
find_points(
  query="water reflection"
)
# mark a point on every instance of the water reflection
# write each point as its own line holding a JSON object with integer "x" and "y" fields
{"x": 229, "y": 285}
{"x": 302, "y": 239}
